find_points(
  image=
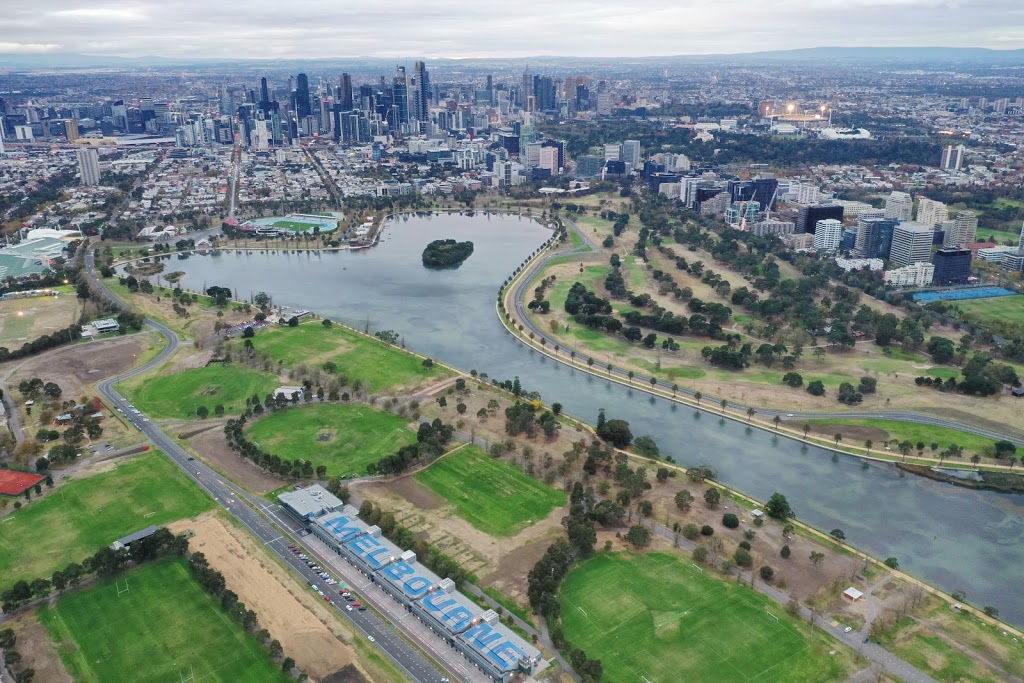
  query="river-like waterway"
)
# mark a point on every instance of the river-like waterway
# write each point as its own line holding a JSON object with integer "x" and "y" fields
{"x": 955, "y": 538}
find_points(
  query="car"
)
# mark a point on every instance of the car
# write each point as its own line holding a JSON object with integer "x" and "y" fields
{"x": 349, "y": 598}
{"x": 357, "y": 604}
{"x": 190, "y": 458}
{"x": 312, "y": 585}
{"x": 348, "y": 607}
{"x": 320, "y": 593}
{"x": 291, "y": 547}
{"x": 362, "y": 609}
{"x": 789, "y": 414}
{"x": 303, "y": 556}
{"x": 327, "y": 598}
{"x": 371, "y": 639}
{"x": 847, "y": 629}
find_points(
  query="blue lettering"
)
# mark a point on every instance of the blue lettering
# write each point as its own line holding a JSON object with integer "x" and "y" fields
{"x": 416, "y": 586}
{"x": 506, "y": 654}
{"x": 361, "y": 545}
{"x": 431, "y": 601}
{"x": 399, "y": 569}
{"x": 371, "y": 557}
{"x": 482, "y": 635}
{"x": 460, "y": 618}
{"x": 343, "y": 528}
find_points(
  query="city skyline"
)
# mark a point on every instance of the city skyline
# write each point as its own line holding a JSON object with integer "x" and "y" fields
{"x": 576, "y": 28}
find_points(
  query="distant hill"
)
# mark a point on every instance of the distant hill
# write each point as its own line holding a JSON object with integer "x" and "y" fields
{"x": 833, "y": 55}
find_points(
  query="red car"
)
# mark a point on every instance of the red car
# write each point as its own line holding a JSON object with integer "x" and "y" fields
{"x": 357, "y": 604}
{"x": 328, "y": 599}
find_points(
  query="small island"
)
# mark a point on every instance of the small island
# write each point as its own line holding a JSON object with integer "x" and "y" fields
{"x": 446, "y": 253}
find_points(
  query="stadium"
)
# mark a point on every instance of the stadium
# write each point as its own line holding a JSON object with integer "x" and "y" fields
{"x": 292, "y": 223}
{"x": 473, "y": 631}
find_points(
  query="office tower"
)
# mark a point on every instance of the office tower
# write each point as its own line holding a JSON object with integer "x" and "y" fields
{"x": 264, "y": 90}
{"x": 874, "y": 237}
{"x": 931, "y": 212}
{"x": 490, "y": 88}
{"x": 582, "y": 97}
{"x": 809, "y": 216}
{"x": 1, "y": 139}
{"x": 631, "y": 153}
{"x": 965, "y": 230}
{"x": 604, "y": 103}
{"x": 88, "y": 166}
{"x": 911, "y": 243}
{"x": 613, "y": 152}
{"x": 953, "y": 157}
{"x": 302, "y": 108}
{"x": 544, "y": 93}
{"x": 399, "y": 118}
{"x": 422, "y": 111}
{"x": 345, "y": 96}
{"x": 899, "y": 206}
{"x": 952, "y": 266}
{"x": 828, "y": 234}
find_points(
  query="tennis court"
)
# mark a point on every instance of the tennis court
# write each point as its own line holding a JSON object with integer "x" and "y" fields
{"x": 14, "y": 483}
{"x": 963, "y": 294}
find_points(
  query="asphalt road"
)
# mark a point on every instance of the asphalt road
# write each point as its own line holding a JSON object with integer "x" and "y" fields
{"x": 643, "y": 384}
{"x": 255, "y": 515}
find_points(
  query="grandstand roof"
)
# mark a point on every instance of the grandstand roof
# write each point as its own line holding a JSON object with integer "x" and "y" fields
{"x": 312, "y": 501}
{"x": 30, "y": 257}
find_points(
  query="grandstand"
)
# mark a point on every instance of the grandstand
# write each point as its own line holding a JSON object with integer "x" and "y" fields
{"x": 293, "y": 222}
{"x": 963, "y": 294}
{"x": 475, "y": 632}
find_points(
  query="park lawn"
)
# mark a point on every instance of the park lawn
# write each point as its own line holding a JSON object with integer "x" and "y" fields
{"x": 489, "y": 493}
{"x": 914, "y": 432}
{"x": 83, "y": 515}
{"x": 163, "y": 628}
{"x": 658, "y": 617}
{"x": 377, "y": 365}
{"x": 591, "y": 277}
{"x": 345, "y": 438}
{"x": 1004, "y": 309}
{"x": 180, "y": 395}
{"x": 935, "y": 656}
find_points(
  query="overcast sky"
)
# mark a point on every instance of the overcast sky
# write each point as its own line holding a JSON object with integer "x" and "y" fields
{"x": 461, "y": 28}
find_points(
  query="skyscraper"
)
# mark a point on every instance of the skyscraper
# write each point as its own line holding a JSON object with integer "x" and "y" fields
{"x": 899, "y": 206}
{"x": 89, "y": 166}
{"x": 911, "y": 243}
{"x": 399, "y": 118}
{"x": 953, "y": 157}
{"x": 302, "y": 108}
{"x": 965, "y": 230}
{"x": 931, "y": 212}
{"x": 828, "y": 234}
{"x": 345, "y": 95}
{"x": 631, "y": 152}
{"x": 422, "y": 99}
{"x": 264, "y": 90}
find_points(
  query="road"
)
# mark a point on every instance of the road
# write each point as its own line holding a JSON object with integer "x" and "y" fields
{"x": 643, "y": 384}
{"x": 263, "y": 523}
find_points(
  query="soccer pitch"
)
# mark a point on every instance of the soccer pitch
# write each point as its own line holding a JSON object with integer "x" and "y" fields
{"x": 656, "y": 618}
{"x": 154, "y": 623}
{"x": 179, "y": 395}
{"x": 492, "y": 495}
{"x": 343, "y": 437}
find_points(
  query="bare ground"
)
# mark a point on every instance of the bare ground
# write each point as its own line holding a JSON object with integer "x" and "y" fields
{"x": 212, "y": 447}
{"x": 37, "y": 649}
{"x": 308, "y": 631}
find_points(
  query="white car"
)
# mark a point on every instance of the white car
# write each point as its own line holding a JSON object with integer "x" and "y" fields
{"x": 348, "y": 607}
{"x": 847, "y": 629}
{"x": 371, "y": 639}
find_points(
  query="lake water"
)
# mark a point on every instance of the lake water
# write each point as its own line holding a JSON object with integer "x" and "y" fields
{"x": 957, "y": 539}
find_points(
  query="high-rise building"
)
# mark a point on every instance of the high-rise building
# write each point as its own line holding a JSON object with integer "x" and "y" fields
{"x": 613, "y": 152}
{"x": 874, "y": 237}
{"x": 828, "y": 235}
{"x": 89, "y": 166}
{"x": 809, "y": 216}
{"x": 931, "y": 212}
{"x": 604, "y": 103}
{"x": 899, "y": 206}
{"x": 345, "y": 93}
{"x": 302, "y": 107}
{"x": 631, "y": 153}
{"x": 953, "y": 157}
{"x": 422, "y": 95}
{"x": 965, "y": 230}
{"x": 911, "y": 243}
{"x": 264, "y": 91}
{"x": 952, "y": 266}
{"x": 399, "y": 117}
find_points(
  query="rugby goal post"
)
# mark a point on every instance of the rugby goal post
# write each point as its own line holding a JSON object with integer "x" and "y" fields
{"x": 121, "y": 590}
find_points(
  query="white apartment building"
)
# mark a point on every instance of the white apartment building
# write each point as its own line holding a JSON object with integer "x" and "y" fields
{"x": 900, "y": 206}
{"x": 918, "y": 274}
{"x": 828, "y": 235}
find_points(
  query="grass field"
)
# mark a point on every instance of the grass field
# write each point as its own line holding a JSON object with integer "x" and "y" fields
{"x": 83, "y": 515}
{"x": 344, "y": 438}
{"x": 22, "y": 320}
{"x": 180, "y": 394}
{"x": 657, "y": 618}
{"x": 913, "y": 431}
{"x": 358, "y": 357}
{"x": 490, "y": 494}
{"x": 1006, "y": 310}
{"x": 164, "y": 628}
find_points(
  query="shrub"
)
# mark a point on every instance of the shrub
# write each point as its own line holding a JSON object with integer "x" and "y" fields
{"x": 706, "y": 530}
{"x": 745, "y": 545}
{"x": 816, "y": 388}
{"x": 730, "y": 520}
{"x": 700, "y": 554}
{"x": 785, "y": 552}
{"x": 691, "y": 531}
{"x": 743, "y": 558}
{"x": 767, "y": 573}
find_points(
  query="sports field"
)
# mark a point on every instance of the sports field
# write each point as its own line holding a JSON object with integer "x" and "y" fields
{"x": 492, "y": 495}
{"x": 179, "y": 395}
{"x": 357, "y": 356}
{"x": 28, "y": 318}
{"x": 164, "y": 628}
{"x": 1004, "y": 310}
{"x": 656, "y": 618}
{"x": 82, "y": 515}
{"x": 343, "y": 437}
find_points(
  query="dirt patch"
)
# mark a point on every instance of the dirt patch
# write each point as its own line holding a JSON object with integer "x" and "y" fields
{"x": 417, "y": 494}
{"x": 37, "y": 650}
{"x": 510, "y": 576}
{"x": 212, "y": 446}
{"x": 309, "y": 633}
{"x": 74, "y": 367}
{"x": 851, "y": 433}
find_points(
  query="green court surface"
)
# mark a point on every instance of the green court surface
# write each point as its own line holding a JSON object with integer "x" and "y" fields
{"x": 357, "y": 356}
{"x": 492, "y": 495}
{"x": 657, "y": 618}
{"x": 81, "y": 516}
{"x": 154, "y": 623}
{"x": 179, "y": 395}
{"x": 343, "y": 437}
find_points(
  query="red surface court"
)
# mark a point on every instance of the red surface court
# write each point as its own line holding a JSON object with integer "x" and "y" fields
{"x": 13, "y": 483}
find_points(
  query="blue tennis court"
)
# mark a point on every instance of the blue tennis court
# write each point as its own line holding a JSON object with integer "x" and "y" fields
{"x": 963, "y": 294}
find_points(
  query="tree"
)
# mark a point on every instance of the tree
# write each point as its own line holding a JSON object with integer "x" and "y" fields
{"x": 203, "y": 412}
{"x": 697, "y": 397}
{"x": 839, "y": 437}
{"x": 639, "y": 536}
{"x": 778, "y": 507}
{"x": 807, "y": 428}
{"x": 1005, "y": 449}
{"x": 793, "y": 379}
{"x": 327, "y": 324}
{"x": 787, "y": 530}
{"x": 691, "y": 531}
{"x": 750, "y": 413}
{"x": 616, "y": 432}
{"x": 817, "y": 557}
{"x": 707, "y": 530}
{"x": 261, "y": 300}
{"x": 767, "y": 573}
{"x": 644, "y": 445}
{"x": 287, "y": 665}
{"x": 42, "y": 464}
{"x": 730, "y": 521}
{"x": 712, "y": 497}
{"x": 743, "y": 557}
{"x": 776, "y": 420}
{"x": 837, "y": 534}
{"x": 892, "y": 563}
{"x": 785, "y": 552}
{"x": 684, "y": 499}
{"x": 725, "y": 404}
{"x": 816, "y": 388}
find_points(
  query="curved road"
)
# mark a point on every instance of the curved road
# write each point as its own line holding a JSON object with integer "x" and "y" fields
{"x": 642, "y": 385}
{"x": 273, "y": 532}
